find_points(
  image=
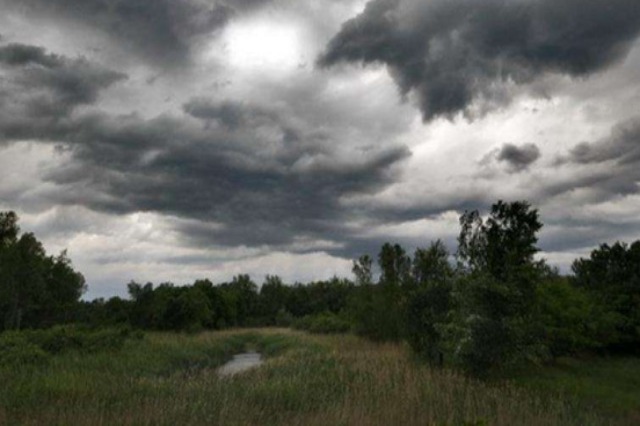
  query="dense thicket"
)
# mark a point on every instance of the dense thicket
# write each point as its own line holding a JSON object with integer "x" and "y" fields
{"x": 489, "y": 305}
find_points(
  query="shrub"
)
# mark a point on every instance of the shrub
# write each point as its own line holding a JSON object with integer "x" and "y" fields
{"x": 16, "y": 350}
{"x": 324, "y": 323}
{"x": 34, "y": 346}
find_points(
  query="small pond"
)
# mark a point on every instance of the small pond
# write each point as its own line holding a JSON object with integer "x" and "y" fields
{"x": 240, "y": 363}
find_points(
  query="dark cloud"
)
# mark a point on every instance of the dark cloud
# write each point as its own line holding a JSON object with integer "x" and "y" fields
{"x": 245, "y": 174}
{"x": 19, "y": 55}
{"x": 607, "y": 169}
{"x": 451, "y": 53}
{"x": 572, "y": 235}
{"x": 247, "y": 181}
{"x": 39, "y": 90}
{"x": 230, "y": 114}
{"x": 160, "y": 31}
{"x": 622, "y": 147}
{"x": 518, "y": 158}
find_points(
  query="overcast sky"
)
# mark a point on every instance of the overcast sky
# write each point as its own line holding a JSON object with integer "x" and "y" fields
{"x": 169, "y": 140}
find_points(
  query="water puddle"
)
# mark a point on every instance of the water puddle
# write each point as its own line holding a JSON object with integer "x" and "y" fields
{"x": 240, "y": 363}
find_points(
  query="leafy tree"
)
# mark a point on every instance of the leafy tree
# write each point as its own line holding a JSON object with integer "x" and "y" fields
{"x": 378, "y": 310}
{"x": 222, "y": 311}
{"x": 571, "y": 321}
{"x": 362, "y": 269}
{"x": 612, "y": 275}
{"x": 395, "y": 266}
{"x": 273, "y": 297}
{"x": 35, "y": 289}
{"x": 243, "y": 294}
{"x": 24, "y": 281}
{"x": 64, "y": 286}
{"x": 430, "y": 302}
{"x": 9, "y": 229}
{"x": 142, "y": 311}
{"x": 187, "y": 309}
{"x": 497, "y": 296}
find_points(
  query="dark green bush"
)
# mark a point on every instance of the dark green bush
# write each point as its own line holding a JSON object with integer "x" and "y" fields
{"x": 324, "y": 323}
{"x": 34, "y": 346}
{"x": 16, "y": 349}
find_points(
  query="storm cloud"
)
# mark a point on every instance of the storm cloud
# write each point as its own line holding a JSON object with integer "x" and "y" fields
{"x": 453, "y": 53}
{"x": 256, "y": 176}
{"x": 171, "y": 140}
{"x": 622, "y": 147}
{"x": 518, "y": 158}
{"x": 609, "y": 167}
{"x": 160, "y": 31}
{"x": 40, "y": 90}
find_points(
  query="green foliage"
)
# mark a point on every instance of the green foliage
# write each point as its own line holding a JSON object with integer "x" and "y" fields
{"x": 612, "y": 275}
{"x": 36, "y": 346}
{"x": 495, "y": 308}
{"x": 501, "y": 245}
{"x": 570, "y": 320}
{"x": 36, "y": 290}
{"x": 497, "y": 294}
{"x": 273, "y": 297}
{"x": 237, "y": 303}
{"x": 430, "y": 303}
{"x": 362, "y": 270}
{"x": 323, "y": 323}
{"x": 170, "y": 308}
{"x": 378, "y": 309}
{"x": 284, "y": 318}
{"x": 395, "y": 266}
{"x": 16, "y": 350}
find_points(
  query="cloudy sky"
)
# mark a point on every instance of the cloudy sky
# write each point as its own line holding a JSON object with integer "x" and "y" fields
{"x": 169, "y": 140}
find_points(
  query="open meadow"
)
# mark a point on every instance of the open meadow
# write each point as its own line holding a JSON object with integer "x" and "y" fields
{"x": 170, "y": 378}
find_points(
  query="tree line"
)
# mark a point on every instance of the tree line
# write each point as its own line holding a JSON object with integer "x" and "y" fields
{"x": 489, "y": 305}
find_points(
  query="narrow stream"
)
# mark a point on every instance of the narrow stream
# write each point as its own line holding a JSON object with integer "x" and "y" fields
{"x": 240, "y": 363}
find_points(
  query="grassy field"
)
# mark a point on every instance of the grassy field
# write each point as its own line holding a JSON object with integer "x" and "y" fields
{"x": 611, "y": 385}
{"x": 307, "y": 380}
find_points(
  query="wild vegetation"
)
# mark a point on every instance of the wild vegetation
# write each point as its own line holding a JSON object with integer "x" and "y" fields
{"x": 168, "y": 378}
{"x": 492, "y": 310}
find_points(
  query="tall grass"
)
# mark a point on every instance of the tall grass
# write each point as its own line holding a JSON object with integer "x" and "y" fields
{"x": 307, "y": 380}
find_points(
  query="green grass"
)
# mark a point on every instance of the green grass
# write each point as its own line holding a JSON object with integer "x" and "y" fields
{"x": 612, "y": 385}
{"x": 168, "y": 379}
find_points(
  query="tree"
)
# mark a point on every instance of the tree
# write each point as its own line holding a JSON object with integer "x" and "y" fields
{"x": 570, "y": 320}
{"x": 35, "y": 289}
{"x": 64, "y": 286}
{"x": 378, "y": 310}
{"x": 502, "y": 245}
{"x": 243, "y": 294}
{"x": 8, "y": 228}
{"x": 362, "y": 270}
{"x": 611, "y": 275}
{"x": 395, "y": 266}
{"x": 273, "y": 298}
{"x": 497, "y": 295}
{"x": 187, "y": 308}
{"x": 142, "y": 314}
{"x": 430, "y": 302}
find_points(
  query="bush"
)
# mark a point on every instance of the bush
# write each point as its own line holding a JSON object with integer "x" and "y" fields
{"x": 324, "y": 323}
{"x": 34, "y": 346}
{"x": 284, "y": 318}
{"x": 16, "y": 350}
